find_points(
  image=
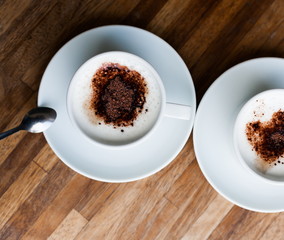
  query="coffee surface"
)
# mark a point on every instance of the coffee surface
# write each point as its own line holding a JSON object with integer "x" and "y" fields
{"x": 267, "y": 138}
{"x": 118, "y": 94}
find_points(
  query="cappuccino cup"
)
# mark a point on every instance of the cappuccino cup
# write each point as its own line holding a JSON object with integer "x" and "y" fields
{"x": 117, "y": 99}
{"x": 259, "y": 135}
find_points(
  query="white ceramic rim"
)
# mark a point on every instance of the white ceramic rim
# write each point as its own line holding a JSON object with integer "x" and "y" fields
{"x": 145, "y": 136}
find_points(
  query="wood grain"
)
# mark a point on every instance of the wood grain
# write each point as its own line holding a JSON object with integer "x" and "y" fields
{"x": 19, "y": 191}
{"x": 58, "y": 209}
{"x": 41, "y": 198}
{"x": 211, "y": 217}
{"x": 70, "y": 227}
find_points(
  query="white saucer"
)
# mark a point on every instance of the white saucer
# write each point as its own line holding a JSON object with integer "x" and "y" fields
{"x": 141, "y": 160}
{"x": 213, "y": 134}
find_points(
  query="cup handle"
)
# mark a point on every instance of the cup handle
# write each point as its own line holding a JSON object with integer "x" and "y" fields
{"x": 179, "y": 111}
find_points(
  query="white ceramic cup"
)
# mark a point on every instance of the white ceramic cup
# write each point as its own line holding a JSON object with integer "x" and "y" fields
{"x": 259, "y": 108}
{"x": 106, "y": 136}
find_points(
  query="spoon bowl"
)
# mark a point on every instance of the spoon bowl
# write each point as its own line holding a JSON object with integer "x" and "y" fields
{"x": 35, "y": 121}
{"x": 38, "y": 119}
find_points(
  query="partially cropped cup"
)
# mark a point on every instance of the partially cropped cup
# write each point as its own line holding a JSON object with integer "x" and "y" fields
{"x": 117, "y": 99}
{"x": 259, "y": 135}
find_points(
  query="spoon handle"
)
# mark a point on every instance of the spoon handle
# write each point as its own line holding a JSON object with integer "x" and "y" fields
{"x": 10, "y": 132}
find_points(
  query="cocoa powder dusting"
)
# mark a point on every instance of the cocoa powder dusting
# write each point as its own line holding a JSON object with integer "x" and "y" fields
{"x": 118, "y": 95}
{"x": 267, "y": 138}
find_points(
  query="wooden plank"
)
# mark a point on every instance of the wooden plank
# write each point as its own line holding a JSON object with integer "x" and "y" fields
{"x": 10, "y": 11}
{"x": 267, "y": 31}
{"x": 14, "y": 97}
{"x": 172, "y": 222}
{"x": 19, "y": 191}
{"x": 19, "y": 31}
{"x": 98, "y": 200}
{"x": 191, "y": 209}
{"x": 122, "y": 202}
{"x": 55, "y": 212}
{"x": 19, "y": 158}
{"x": 69, "y": 227}
{"x": 163, "y": 19}
{"x": 242, "y": 224}
{"x": 186, "y": 186}
{"x": 46, "y": 158}
{"x": 10, "y": 143}
{"x": 101, "y": 13}
{"x": 128, "y": 201}
{"x": 42, "y": 44}
{"x": 275, "y": 229}
{"x": 180, "y": 28}
{"x": 209, "y": 220}
{"x": 207, "y": 29}
{"x": 41, "y": 197}
{"x": 157, "y": 220}
{"x": 159, "y": 183}
{"x": 93, "y": 189}
{"x": 143, "y": 12}
{"x": 107, "y": 220}
{"x": 218, "y": 54}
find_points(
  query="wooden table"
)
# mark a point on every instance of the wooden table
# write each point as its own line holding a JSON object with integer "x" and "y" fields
{"x": 42, "y": 198}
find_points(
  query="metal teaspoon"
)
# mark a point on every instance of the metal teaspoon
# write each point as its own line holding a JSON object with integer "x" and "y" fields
{"x": 35, "y": 121}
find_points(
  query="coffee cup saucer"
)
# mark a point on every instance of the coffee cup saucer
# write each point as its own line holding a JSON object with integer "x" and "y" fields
{"x": 213, "y": 134}
{"x": 126, "y": 164}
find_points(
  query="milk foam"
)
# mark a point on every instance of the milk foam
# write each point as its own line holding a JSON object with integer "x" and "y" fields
{"x": 261, "y": 108}
{"x": 79, "y": 96}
